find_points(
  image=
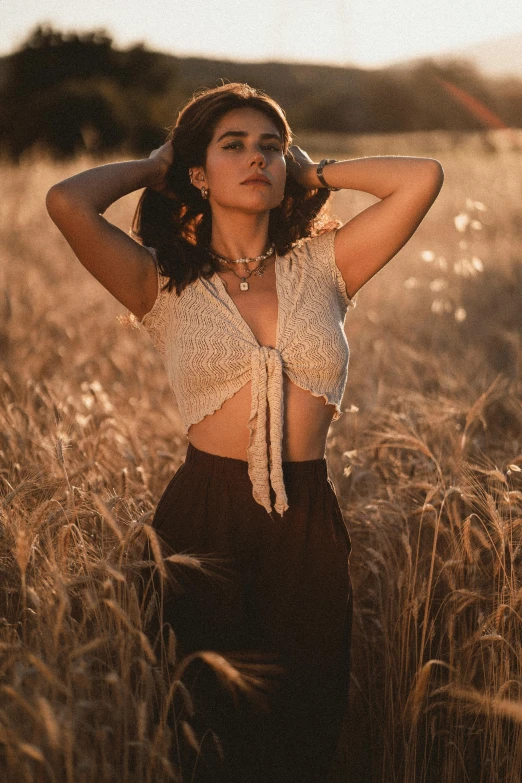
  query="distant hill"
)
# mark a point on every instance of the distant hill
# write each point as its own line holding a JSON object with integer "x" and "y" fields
{"x": 497, "y": 57}
{"x": 86, "y": 94}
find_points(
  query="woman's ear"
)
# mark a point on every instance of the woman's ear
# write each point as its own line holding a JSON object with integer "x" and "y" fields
{"x": 197, "y": 176}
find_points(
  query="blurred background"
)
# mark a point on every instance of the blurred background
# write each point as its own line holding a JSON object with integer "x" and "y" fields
{"x": 427, "y": 460}
{"x": 97, "y": 77}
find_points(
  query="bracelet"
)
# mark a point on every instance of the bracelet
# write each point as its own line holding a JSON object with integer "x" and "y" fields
{"x": 319, "y": 172}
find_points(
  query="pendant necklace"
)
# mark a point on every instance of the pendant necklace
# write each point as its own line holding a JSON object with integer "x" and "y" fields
{"x": 259, "y": 270}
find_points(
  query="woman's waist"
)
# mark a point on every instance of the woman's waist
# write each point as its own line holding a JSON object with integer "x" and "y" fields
{"x": 236, "y": 446}
{"x": 306, "y": 421}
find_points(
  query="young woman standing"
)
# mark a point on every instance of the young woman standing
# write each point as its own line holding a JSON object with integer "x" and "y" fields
{"x": 243, "y": 285}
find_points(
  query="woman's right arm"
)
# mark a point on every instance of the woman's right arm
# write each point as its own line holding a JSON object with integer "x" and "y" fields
{"x": 76, "y": 205}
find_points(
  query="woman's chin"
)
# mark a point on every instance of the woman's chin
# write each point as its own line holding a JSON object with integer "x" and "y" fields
{"x": 251, "y": 205}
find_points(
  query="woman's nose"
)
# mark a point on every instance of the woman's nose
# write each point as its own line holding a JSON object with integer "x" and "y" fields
{"x": 258, "y": 158}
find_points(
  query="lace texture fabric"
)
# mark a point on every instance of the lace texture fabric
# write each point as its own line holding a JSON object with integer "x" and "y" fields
{"x": 210, "y": 352}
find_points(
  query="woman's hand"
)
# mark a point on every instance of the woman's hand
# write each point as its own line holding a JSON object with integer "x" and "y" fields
{"x": 163, "y": 157}
{"x": 302, "y": 168}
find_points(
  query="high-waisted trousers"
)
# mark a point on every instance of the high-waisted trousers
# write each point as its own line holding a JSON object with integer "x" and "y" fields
{"x": 279, "y": 594}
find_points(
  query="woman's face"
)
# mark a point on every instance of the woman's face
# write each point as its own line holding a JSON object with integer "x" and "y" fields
{"x": 245, "y": 143}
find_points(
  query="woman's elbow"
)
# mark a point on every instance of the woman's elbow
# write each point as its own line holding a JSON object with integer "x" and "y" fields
{"x": 435, "y": 171}
{"x": 57, "y": 200}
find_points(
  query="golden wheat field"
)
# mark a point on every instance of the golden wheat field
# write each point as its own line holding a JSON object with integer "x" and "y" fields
{"x": 427, "y": 462}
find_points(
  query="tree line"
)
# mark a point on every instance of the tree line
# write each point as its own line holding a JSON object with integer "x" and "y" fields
{"x": 76, "y": 92}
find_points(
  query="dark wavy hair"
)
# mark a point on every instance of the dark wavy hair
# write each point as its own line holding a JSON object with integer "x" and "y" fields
{"x": 178, "y": 221}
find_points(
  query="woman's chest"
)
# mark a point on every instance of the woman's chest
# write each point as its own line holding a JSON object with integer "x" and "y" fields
{"x": 295, "y": 313}
{"x": 258, "y": 307}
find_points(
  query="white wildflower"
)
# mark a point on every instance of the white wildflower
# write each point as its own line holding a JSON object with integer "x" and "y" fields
{"x": 461, "y": 221}
{"x": 460, "y": 314}
{"x": 439, "y": 284}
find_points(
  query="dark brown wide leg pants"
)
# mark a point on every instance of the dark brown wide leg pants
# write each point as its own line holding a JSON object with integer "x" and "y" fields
{"x": 283, "y": 595}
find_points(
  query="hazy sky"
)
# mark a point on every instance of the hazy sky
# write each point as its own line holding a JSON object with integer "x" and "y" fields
{"x": 363, "y": 32}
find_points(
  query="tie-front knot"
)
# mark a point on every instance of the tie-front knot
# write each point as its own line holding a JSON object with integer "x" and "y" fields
{"x": 265, "y": 465}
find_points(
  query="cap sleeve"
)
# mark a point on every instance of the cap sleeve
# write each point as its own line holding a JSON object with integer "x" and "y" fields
{"x": 155, "y": 321}
{"x": 324, "y": 247}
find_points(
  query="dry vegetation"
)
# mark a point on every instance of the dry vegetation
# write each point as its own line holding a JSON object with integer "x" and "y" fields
{"x": 427, "y": 462}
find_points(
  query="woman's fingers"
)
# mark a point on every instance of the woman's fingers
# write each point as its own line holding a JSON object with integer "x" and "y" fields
{"x": 300, "y": 155}
{"x": 164, "y": 156}
{"x": 300, "y": 166}
{"x": 164, "y": 153}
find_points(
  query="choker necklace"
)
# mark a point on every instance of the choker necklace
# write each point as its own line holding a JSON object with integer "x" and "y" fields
{"x": 261, "y": 258}
{"x": 259, "y": 270}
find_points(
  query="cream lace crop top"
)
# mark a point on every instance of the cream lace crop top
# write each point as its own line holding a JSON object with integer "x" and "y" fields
{"x": 210, "y": 352}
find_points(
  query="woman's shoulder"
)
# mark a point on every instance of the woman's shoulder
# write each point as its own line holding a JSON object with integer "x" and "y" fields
{"x": 311, "y": 247}
{"x": 316, "y": 255}
{"x": 155, "y": 319}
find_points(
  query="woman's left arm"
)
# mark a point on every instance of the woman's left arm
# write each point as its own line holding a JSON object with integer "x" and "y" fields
{"x": 407, "y": 187}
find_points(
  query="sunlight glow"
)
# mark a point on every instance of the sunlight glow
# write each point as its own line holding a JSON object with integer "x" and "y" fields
{"x": 339, "y": 31}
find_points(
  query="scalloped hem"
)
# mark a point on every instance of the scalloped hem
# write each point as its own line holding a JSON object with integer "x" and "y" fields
{"x": 209, "y": 411}
{"x": 338, "y": 412}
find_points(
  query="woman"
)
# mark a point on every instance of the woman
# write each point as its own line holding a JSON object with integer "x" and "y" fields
{"x": 243, "y": 286}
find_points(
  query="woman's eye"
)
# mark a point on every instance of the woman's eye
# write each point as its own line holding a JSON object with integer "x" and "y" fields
{"x": 234, "y": 145}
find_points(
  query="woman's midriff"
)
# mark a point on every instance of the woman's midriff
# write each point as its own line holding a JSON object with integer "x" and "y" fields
{"x": 306, "y": 422}
{"x": 306, "y": 418}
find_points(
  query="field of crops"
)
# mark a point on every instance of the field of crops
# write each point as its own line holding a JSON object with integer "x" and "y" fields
{"x": 427, "y": 462}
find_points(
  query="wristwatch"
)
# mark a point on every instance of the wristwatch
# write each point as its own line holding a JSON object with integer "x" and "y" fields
{"x": 319, "y": 172}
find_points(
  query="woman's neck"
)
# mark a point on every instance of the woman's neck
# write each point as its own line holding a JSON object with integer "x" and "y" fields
{"x": 240, "y": 235}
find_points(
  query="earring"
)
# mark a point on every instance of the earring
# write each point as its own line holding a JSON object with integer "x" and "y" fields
{"x": 204, "y": 192}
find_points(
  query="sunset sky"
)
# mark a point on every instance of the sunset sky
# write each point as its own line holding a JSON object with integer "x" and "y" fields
{"x": 333, "y": 31}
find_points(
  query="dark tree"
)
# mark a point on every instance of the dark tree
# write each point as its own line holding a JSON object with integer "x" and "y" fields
{"x": 75, "y": 92}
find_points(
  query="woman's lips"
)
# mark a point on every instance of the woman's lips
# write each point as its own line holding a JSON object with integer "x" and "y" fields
{"x": 256, "y": 180}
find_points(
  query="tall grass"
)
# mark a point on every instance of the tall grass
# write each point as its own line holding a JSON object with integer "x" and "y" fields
{"x": 427, "y": 461}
